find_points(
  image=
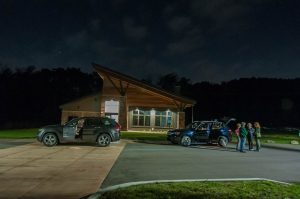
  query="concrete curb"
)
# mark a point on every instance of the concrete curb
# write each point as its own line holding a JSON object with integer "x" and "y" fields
{"x": 98, "y": 194}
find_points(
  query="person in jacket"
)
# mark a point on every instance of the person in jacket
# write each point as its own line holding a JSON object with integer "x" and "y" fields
{"x": 250, "y": 135}
{"x": 237, "y": 133}
{"x": 243, "y": 136}
{"x": 257, "y": 135}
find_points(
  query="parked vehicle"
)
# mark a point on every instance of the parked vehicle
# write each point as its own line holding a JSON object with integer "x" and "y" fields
{"x": 202, "y": 132}
{"x": 98, "y": 130}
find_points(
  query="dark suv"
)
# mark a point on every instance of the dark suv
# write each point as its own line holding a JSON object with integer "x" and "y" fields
{"x": 85, "y": 129}
{"x": 202, "y": 131}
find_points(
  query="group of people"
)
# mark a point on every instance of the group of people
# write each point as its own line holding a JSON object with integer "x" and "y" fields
{"x": 250, "y": 133}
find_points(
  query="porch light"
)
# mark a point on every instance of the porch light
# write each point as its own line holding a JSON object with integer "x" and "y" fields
{"x": 152, "y": 112}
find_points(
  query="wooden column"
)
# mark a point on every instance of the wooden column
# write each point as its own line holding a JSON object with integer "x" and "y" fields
{"x": 180, "y": 120}
{"x": 123, "y": 109}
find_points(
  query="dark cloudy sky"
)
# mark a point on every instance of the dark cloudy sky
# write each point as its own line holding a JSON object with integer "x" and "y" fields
{"x": 204, "y": 40}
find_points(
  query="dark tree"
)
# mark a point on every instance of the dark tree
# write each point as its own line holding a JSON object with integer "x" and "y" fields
{"x": 30, "y": 97}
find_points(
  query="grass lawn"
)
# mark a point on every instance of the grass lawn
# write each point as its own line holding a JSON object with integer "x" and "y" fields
{"x": 281, "y": 137}
{"x": 18, "y": 133}
{"x": 31, "y": 133}
{"x": 221, "y": 190}
{"x": 143, "y": 136}
{"x": 278, "y": 137}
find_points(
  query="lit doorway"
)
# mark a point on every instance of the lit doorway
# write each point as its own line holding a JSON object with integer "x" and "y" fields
{"x": 112, "y": 110}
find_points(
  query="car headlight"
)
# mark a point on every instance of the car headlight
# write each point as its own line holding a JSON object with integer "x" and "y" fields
{"x": 177, "y": 133}
{"x": 174, "y": 133}
{"x": 40, "y": 131}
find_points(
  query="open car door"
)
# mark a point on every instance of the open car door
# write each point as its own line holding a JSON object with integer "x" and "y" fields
{"x": 69, "y": 130}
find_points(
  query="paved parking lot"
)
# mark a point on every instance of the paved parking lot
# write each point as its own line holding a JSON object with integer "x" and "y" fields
{"x": 31, "y": 170}
{"x": 7, "y": 143}
{"x": 142, "y": 162}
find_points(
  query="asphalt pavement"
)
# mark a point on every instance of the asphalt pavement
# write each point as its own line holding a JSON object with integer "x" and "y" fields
{"x": 143, "y": 162}
{"x": 8, "y": 143}
{"x": 20, "y": 164}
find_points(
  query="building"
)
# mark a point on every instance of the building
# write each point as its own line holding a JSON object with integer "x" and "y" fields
{"x": 136, "y": 105}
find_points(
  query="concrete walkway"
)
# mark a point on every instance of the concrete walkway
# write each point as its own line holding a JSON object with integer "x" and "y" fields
{"x": 64, "y": 171}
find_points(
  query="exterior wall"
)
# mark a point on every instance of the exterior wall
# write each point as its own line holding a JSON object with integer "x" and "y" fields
{"x": 65, "y": 115}
{"x": 154, "y": 119}
{"x": 89, "y": 103}
{"x": 84, "y": 107}
{"x": 129, "y": 97}
{"x": 141, "y": 98}
{"x": 181, "y": 120}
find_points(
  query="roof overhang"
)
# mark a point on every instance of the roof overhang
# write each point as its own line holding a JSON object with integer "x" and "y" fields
{"x": 106, "y": 72}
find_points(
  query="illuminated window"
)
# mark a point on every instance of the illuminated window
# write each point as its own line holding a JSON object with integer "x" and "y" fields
{"x": 111, "y": 106}
{"x": 141, "y": 118}
{"x": 163, "y": 119}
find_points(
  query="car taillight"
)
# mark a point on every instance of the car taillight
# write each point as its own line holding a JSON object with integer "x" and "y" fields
{"x": 117, "y": 127}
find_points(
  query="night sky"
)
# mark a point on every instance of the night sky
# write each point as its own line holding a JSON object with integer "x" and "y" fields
{"x": 203, "y": 40}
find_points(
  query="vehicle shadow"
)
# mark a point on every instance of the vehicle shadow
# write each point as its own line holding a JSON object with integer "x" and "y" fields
{"x": 214, "y": 147}
{"x": 198, "y": 146}
{"x": 77, "y": 144}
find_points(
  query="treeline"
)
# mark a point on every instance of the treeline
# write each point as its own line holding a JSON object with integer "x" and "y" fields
{"x": 31, "y": 97}
{"x": 273, "y": 102}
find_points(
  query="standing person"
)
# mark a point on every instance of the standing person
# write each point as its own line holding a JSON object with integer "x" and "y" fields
{"x": 250, "y": 130}
{"x": 257, "y": 135}
{"x": 243, "y": 135}
{"x": 237, "y": 133}
{"x": 79, "y": 129}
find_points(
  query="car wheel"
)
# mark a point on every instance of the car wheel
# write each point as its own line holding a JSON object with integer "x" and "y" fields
{"x": 186, "y": 141}
{"x": 103, "y": 140}
{"x": 223, "y": 141}
{"x": 50, "y": 139}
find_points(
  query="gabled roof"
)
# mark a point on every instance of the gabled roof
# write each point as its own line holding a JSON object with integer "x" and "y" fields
{"x": 120, "y": 76}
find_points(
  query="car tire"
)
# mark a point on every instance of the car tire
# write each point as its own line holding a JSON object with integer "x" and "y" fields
{"x": 50, "y": 139}
{"x": 186, "y": 141}
{"x": 223, "y": 141}
{"x": 103, "y": 140}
